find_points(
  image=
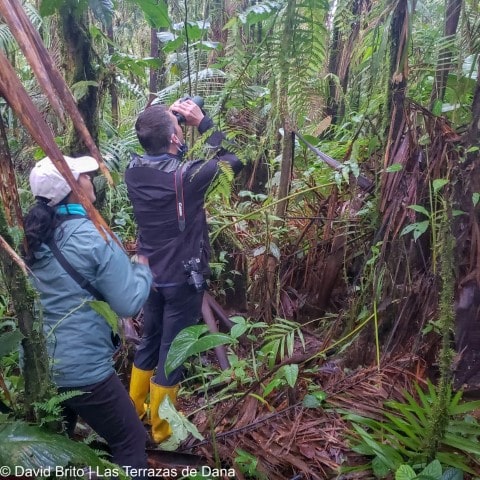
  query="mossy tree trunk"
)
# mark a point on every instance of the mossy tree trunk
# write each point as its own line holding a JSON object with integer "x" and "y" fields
{"x": 35, "y": 359}
{"x": 80, "y": 66}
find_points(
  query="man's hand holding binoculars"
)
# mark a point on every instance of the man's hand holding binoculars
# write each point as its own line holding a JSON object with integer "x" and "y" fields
{"x": 187, "y": 112}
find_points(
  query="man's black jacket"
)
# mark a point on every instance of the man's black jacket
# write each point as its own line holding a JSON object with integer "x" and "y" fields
{"x": 151, "y": 187}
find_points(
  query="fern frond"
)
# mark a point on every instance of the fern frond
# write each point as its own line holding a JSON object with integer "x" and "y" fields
{"x": 53, "y": 406}
{"x": 222, "y": 185}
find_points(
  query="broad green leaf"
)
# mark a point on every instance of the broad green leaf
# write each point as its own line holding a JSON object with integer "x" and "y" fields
{"x": 452, "y": 474}
{"x": 32, "y": 447}
{"x": 314, "y": 399}
{"x": 10, "y": 342}
{"x": 104, "y": 309}
{"x": 438, "y": 183}
{"x": 290, "y": 372}
{"x": 238, "y": 330}
{"x": 433, "y": 469}
{"x": 417, "y": 228}
{"x": 156, "y": 12}
{"x": 405, "y": 472}
{"x": 180, "y": 425}
{"x": 80, "y": 89}
{"x": 420, "y": 209}
{"x": 209, "y": 341}
{"x": 190, "y": 342}
{"x": 259, "y": 12}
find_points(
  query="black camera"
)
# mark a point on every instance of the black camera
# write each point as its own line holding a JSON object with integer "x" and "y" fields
{"x": 194, "y": 276}
{"x": 196, "y": 99}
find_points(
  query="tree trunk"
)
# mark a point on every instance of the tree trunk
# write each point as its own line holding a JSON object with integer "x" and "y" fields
{"x": 341, "y": 52}
{"x": 398, "y": 66}
{"x": 113, "y": 83}
{"x": 473, "y": 132}
{"x": 35, "y": 367}
{"x": 8, "y": 185}
{"x": 444, "y": 64}
{"x": 80, "y": 67}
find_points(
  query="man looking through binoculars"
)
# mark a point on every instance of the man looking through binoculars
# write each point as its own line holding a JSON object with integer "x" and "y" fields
{"x": 168, "y": 201}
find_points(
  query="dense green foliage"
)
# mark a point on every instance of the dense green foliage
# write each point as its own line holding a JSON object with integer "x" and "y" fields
{"x": 294, "y": 239}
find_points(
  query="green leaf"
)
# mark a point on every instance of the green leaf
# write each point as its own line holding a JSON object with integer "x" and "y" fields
{"x": 80, "y": 89}
{"x": 314, "y": 399}
{"x": 439, "y": 183}
{"x": 49, "y": 7}
{"x": 272, "y": 385}
{"x": 417, "y": 228}
{"x": 10, "y": 342}
{"x": 104, "y": 309}
{"x": 238, "y": 330}
{"x": 405, "y": 472}
{"x": 460, "y": 443}
{"x": 290, "y": 372}
{"x": 156, "y": 12}
{"x": 180, "y": 425}
{"x": 379, "y": 468}
{"x": 437, "y": 107}
{"x": 420, "y": 209}
{"x": 190, "y": 342}
{"x": 452, "y": 474}
{"x": 259, "y": 12}
{"x": 466, "y": 407}
{"x": 396, "y": 167}
{"x": 386, "y": 454}
{"x": 31, "y": 447}
{"x": 475, "y": 198}
{"x": 433, "y": 469}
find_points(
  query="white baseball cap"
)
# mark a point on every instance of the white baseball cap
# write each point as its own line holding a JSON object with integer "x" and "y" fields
{"x": 47, "y": 182}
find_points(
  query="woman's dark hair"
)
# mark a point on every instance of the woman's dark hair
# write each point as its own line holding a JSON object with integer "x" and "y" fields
{"x": 154, "y": 129}
{"x": 39, "y": 226}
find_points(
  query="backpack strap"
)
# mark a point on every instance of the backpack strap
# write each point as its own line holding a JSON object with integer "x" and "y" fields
{"x": 76, "y": 275}
{"x": 179, "y": 196}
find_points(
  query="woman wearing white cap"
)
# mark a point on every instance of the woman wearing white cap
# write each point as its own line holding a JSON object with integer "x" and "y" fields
{"x": 79, "y": 340}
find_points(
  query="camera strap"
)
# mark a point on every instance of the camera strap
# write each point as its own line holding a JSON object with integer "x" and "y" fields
{"x": 179, "y": 196}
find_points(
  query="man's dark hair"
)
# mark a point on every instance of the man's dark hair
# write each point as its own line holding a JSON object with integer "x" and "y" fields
{"x": 154, "y": 129}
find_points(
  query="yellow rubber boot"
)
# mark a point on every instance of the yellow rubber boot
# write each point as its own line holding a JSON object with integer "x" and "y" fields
{"x": 139, "y": 388}
{"x": 160, "y": 428}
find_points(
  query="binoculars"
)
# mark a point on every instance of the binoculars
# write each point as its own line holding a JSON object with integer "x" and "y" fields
{"x": 196, "y": 99}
